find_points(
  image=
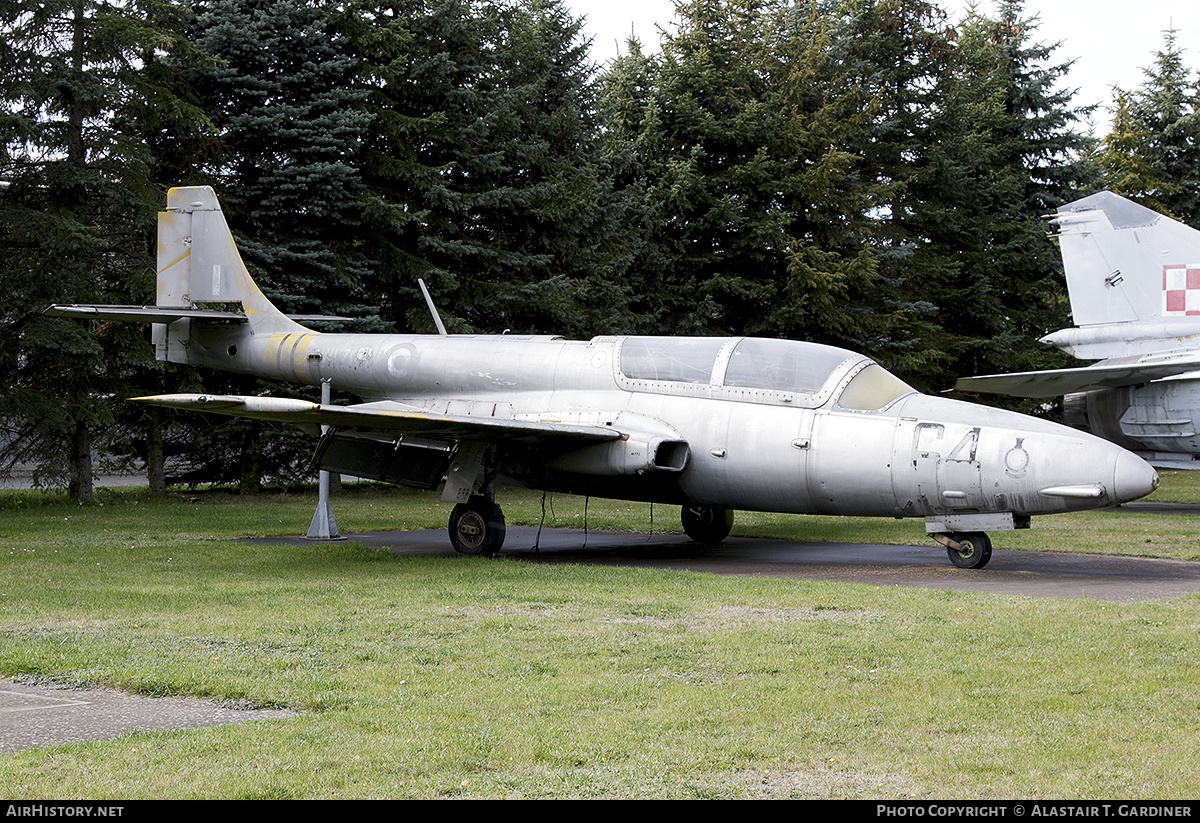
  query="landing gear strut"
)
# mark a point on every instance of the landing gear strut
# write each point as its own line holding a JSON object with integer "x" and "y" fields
{"x": 707, "y": 524}
{"x": 477, "y": 527}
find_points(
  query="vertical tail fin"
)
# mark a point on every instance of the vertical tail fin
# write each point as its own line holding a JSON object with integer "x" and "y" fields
{"x": 199, "y": 268}
{"x": 1126, "y": 263}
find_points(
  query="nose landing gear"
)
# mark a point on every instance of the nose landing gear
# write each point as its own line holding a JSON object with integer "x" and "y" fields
{"x": 707, "y": 524}
{"x": 966, "y": 550}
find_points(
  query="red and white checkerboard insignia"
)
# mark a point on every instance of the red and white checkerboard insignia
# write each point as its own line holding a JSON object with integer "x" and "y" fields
{"x": 1181, "y": 290}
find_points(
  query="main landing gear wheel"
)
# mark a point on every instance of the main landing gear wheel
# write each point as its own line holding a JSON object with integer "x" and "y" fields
{"x": 975, "y": 550}
{"x": 477, "y": 527}
{"x": 707, "y": 524}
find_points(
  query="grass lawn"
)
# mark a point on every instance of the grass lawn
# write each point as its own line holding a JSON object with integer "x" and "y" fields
{"x": 469, "y": 678}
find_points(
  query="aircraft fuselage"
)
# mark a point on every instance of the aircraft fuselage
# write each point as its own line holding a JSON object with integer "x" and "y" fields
{"x": 748, "y": 448}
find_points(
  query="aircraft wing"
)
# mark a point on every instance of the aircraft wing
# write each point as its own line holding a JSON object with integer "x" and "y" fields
{"x": 390, "y": 418}
{"x": 1057, "y": 382}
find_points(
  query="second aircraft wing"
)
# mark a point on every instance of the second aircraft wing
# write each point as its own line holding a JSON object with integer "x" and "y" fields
{"x": 1109, "y": 374}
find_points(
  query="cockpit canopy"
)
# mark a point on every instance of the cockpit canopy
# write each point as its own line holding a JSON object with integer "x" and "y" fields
{"x": 784, "y": 365}
{"x": 760, "y": 369}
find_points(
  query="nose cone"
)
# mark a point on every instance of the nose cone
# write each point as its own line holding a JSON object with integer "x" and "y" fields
{"x": 1133, "y": 477}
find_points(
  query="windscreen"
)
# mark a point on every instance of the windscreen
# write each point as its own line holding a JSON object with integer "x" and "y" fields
{"x": 873, "y": 388}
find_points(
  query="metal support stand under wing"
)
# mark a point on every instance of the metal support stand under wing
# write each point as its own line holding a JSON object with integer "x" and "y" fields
{"x": 323, "y": 526}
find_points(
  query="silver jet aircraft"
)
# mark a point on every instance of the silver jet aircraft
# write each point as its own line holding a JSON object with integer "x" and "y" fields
{"x": 1134, "y": 281}
{"x": 709, "y": 424}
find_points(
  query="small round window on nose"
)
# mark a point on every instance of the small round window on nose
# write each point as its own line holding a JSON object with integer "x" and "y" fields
{"x": 232, "y": 351}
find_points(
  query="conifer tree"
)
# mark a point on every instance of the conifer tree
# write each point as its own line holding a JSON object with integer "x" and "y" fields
{"x": 76, "y": 210}
{"x": 556, "y": 219}
{"x": 625, "y": 105}
{"x": 754, "y": 209}
{"x": 1003, "y": 151}
{"x": 901, "y": 53}
{"x": 482, "y": 167}
{"x": 285, "y": 110}
{"x": 1152, "y": 153}
{"x": 282, "y": 99}
{"x": 421, "y": 64}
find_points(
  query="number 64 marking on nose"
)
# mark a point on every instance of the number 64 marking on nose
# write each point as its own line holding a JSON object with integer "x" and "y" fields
{"x": 964, "y": 452}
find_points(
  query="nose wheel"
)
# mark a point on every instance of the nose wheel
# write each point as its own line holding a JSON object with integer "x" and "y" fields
{"x": 707, "y": 524}
{"x": 967, "y": 550}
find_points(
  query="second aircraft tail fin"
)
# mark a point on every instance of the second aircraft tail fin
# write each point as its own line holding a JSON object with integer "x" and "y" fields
{"x": 1126, "y": 263}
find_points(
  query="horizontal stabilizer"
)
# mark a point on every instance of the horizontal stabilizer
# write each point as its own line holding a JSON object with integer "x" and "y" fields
{"x": 163, "y": 314}
{"x": 386, "y": 417}
{"x": 140, "y": 314}
{"x": 1057, "y": 382}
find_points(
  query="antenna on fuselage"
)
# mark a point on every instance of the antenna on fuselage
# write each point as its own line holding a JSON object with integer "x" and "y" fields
{"x": 437, "y": 320}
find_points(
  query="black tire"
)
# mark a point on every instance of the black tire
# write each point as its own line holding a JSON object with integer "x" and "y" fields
{"x": 975, "y": 553}
{"x": 706, "y": 524}
{"x": 477, "y": 527}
